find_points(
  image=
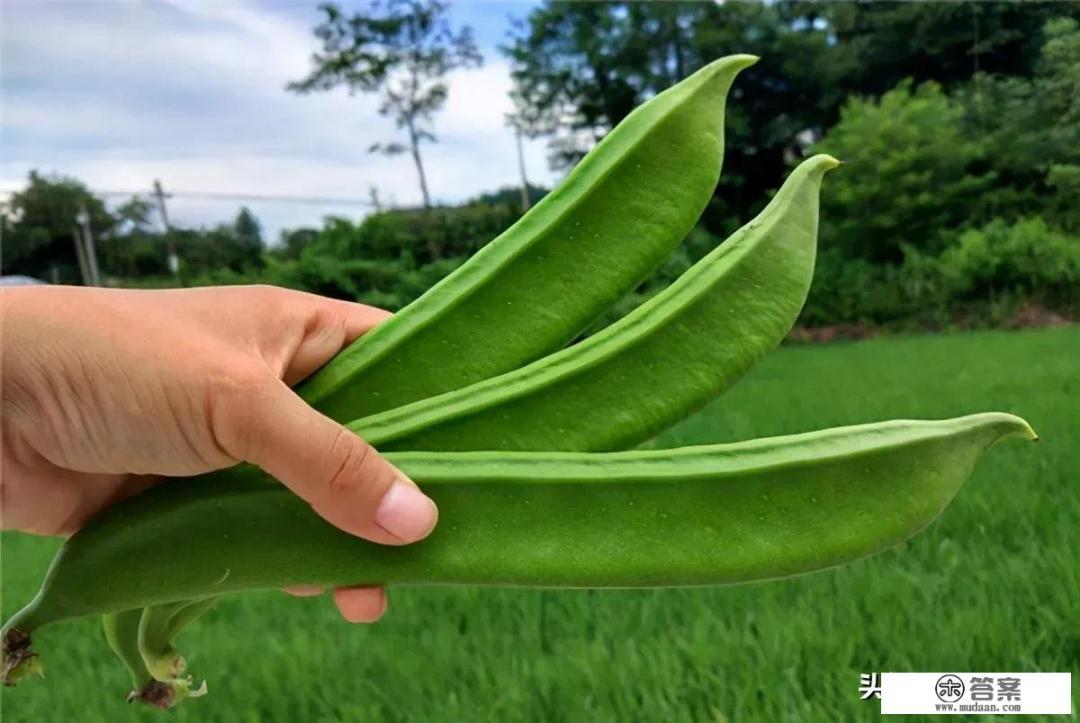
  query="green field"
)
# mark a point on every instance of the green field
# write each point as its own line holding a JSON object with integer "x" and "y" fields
{"x": 992, "y": 585}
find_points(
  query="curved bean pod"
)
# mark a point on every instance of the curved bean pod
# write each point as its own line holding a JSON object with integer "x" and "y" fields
{"x": 158, "y": 626}
{"x": 142, "y": 639}
{"x": 577, "y": 390}
{"x": 614, "y": 219}
{"x": 664, "y": 360}
{"x": 122, "y": 633}
{"x": 712, "y": 515}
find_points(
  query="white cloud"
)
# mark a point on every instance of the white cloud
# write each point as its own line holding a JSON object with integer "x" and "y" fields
{"x": 118, "y": 94}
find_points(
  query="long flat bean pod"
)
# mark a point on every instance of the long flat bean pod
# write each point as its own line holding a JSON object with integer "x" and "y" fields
{"x": 650, "y": 369}
{"x": 710, "y": 515}
{"x": 626, "y": 384}
{"x": 643, "y": 395}
{"x": 624, "y": 208}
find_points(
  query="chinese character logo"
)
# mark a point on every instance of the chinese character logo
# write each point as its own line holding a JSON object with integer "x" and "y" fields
{"x": 869, "y": 686}
{"x": 1009, "y": 689}
{"x": 982, "y": 689}
{"x": 949, "y": 688}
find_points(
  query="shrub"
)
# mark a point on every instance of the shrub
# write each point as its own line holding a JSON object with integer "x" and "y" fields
{"x": 909, "y": 175}
{"x": 847, "y": 291}
{"x": 1027, "y": 257}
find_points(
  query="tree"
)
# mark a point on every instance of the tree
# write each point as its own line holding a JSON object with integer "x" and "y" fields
{"x": 401, "y": 48}
{"x": 41, "y": 237}
{"x": 134, "y": 248}
{"x": 217, "y": 248}
{"x": 248, "y": 230}
{"x": 293, "y": 241}
{"x": 583, "y": 66}
{"x": 881, "y": 43}
{"x": 136, "y": 214}
{"x": 1031, "y": 128}
{"x": 515, "y": 122}
{"x": 580, "y": 68}
{"x": 910, "y": 175}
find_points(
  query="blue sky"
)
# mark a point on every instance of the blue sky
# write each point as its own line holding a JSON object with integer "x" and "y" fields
{"x": 118, "y": 93}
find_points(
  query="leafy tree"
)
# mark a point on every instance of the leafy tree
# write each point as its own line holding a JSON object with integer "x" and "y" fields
{"x": 1031, "y": 128}
{"x": 581, "y": 67}
{"x": 294, "y": 241}
{"x": 221, "y": 247}
{"x": 40, "y": 240}
{"x": 134, "y": 248}
{"x": 248, "y": 232}
{"x": 879, "y": 44}
{"x": 401, "y": 48}
{"x": 909, "y": 174}
{"x": 136, "y": 214}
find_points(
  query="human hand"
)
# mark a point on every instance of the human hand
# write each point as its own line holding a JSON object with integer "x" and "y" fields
{"x": 102, "y": 389}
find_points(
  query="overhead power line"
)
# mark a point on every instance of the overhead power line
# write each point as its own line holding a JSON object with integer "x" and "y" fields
{"x": 234, "y": 196}
{"x": 172, "y": 259}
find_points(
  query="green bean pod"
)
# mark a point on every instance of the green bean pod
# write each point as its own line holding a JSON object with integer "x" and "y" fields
{"x": 614, "y": 219}
{"x": 664, "y": 360}
{"x": 783, "y": 236}
{"x": 711, "y": 515}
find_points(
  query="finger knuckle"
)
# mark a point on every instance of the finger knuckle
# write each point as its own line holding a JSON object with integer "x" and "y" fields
{"x": 350, "y": 459}
{"x": 233, "y": 406}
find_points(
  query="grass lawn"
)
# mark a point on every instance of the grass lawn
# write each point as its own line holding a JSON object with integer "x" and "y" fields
{"x": 992, "y": 585}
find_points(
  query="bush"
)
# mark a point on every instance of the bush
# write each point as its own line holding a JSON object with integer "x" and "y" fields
{"x": 909, "y": 175}
{"x": 415, "y": 237}
{"x": 995, "y": 267}
{"x": 387, "y": 260}
{"x": 850, "y": 291}
{"x": 1028, "y": 258}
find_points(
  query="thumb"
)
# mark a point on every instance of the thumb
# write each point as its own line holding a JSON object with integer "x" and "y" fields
{"x": 344, "y": 478}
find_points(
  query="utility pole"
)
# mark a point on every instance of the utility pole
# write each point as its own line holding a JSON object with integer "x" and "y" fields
{"x": 375, "y": 202}
{"x": 3, "y": 230}
{"x": 170, "y": 243}
{"x": 80, "y": 254}
{"x": 89, "y": 252}
{"x": 521, "y": 167}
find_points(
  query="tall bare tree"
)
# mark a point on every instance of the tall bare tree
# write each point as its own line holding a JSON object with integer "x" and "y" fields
{"x": 402, "y": 49}
{"x": 528, "y": 121}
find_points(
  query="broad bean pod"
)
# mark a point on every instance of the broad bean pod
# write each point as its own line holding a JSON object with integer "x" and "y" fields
{"x": 614, "y": 219}
{"x": 661, "y": 362}
{"x": 711, "y": 515}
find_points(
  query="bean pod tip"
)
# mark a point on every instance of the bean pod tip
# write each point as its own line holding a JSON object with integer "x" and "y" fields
{"x": 738, "y": 60}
